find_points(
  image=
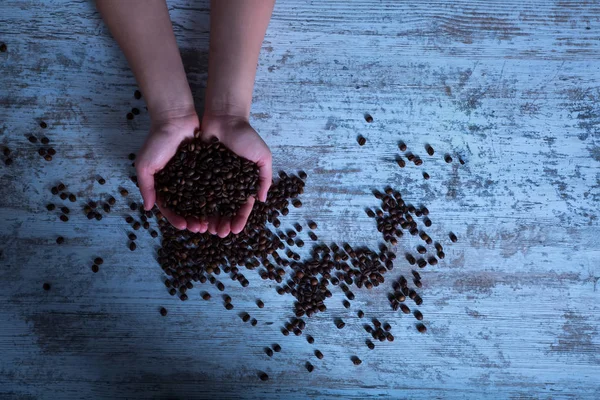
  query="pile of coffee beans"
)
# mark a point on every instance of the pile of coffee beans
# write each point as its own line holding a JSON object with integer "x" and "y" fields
{"x": 205, "y": 179}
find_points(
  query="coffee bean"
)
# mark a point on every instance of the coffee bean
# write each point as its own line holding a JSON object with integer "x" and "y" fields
{"x": 356, "y": 360}
{"x": 136, "y": 225}
{"x": 163, "y": 311}
{"x": 361, "y": 140}
{"x": 453, "y": 237}
{"x": 276, "y": 348}
{"x": 153, "y": 233}
{"x": 425, "y": 175}
{"x": 418, "y": 315}
{"x": 401, "y": 162}
{"x": 414, "y": 231}
{"x": 72, "y": 198}
{"x": 3, "y": 48}
{"x": 46, "y": 286}
{"x": 318, "y": 354}
{"x": 421, "y": 328}
{"x": 421, "y": 249}
{"x": 95, "y": 268}
{"x": 50, "y": 207}
{"x": 6, "y": 151}
{"x": 8, "y": 161}
{"x": 91, "y": 215}
{"x": 42, "y": 151}
{"x": 129, "y": 116}
{"x": 123, "y": 192}
{"x": 263, "y": 376}
{"x": 51, "y": 151}
{"x": 64, "y": 218}
{"x": 132, "y": 246}
{"x": 429, "y": 150}
{"x": 421, "y": 263}
{"x": 418, "y": 161}
{"x": 402, "y": 146}
{"x": 285, "y": 332}
{"x": 133, "y": 206}
{"x": 172, "y": 292}
{"x": 448, "y": 158}
{"x": 43, "y": 125}
{"x": 45, "y": 140}
{"x": 98, "y": 260}
{"x": 98, "y": 216}
{"x": 60, "y": 240}
{"x": 260, "y": 304}
{"x": 101, "y": 181}
{"x": 309, "y": 367}
{"x": 297, "y": 203}
{"x": 312, "y": 225}
{"x": 360, "y": 314}
{"x": 253, "y": 322}
{"x": 63, "y": 196}
{"x": 427, "y": 222}
{"x": 404, "y": 308}
{"x": 135, "y": 111}
{"x": 461, "y": 161}
{"x": 268, "y": 351}
{"x": 229, "y": 306}
{"x": 246, "y": 317}
{"x": 340, "y": 324}
{"x": 146, "y": 225}
{"x": 183, "y": 297}
{"x": 137, "y": 94}
{"x": 410, "y": 157}
{"x": 32, "y": 139}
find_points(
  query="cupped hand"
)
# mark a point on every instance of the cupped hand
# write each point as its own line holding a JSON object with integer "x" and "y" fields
{"x": 239, "y": 137}
{"x": 161, "y": 145}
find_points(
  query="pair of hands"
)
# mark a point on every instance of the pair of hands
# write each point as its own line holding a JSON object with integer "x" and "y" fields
{"x": 162, "y": 144}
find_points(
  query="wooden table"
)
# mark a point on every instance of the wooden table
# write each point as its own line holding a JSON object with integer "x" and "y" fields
{"x": 512, "y": 311}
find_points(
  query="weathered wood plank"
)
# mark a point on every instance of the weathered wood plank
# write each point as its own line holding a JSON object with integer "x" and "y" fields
{"x": 513, "y": 310}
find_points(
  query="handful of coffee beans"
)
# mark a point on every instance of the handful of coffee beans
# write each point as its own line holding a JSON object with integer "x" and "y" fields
{"x": 204, "y": 179}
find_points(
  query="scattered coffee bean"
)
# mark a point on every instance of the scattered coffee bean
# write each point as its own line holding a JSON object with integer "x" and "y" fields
{"x": 404, "y": 308}
{"x": 429, "y": 150}
{"x": 45, "y": 140}
{"x": 136, "y": 225}
{"x": 50, "y": 207}
{"x": 253, "y": 322}
{"x": 340, "y": 324}
{"x": 43, "y": 125}
{"x": 51, "y": 151}
{"x": 312, "y": 225}
{"x": 309, "y": 367}
{"x": 229, "y": 306}
{"x": 137, "y": 94}
{"x": 453, "y": 237}
{"x": 6, "y": 151}
{"x": 101, "y": 181}
{"x": 421, "y": 249}
{"x": 72, "y": 198}
{"x": 95, "y": 268}
{"x": 368, "y": 118}
{"x": 8, "y": 161}
{"x": 46, "y": 286}
{"x": 448, "y": 158}
{"x": 276, "y": 348}
{"x": 163, "y": 311}
{"x": 135, "y": 111}
{"x": 421, "y": 328}
{"x": 402, "y": 146}
{"x": 360, "y": 314}
{"x": 42, "y": 151}
{"x": 425, "y": 175}
{"x": 401, "y": 162}
{"x": 318, "y": 354}
{"x": 263, "y": 377}
{"x": 3, "y": 48}
{"x": 260, "y": 304}
{"x": 60, "y": 240}
{"x": 98, "y": 216}
{"x": 418, "y": 161}
{"x": 362, "y": 140}
{"x": 268, "y": 351}
{"x": 356, "y": 360}
{"x": 32, "y": 139}
{"x": 129, "y": 116}
{"x": 132, "y": 246}
{"x": 64, "y": 218}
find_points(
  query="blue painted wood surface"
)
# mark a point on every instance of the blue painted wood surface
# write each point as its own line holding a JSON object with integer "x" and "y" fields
{"x": 513, "y": 310}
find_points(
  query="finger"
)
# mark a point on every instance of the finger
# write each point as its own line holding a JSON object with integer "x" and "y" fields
{"x": 213, "y": 224}
{"x": 176, "y": 220}
{"x": 265, "y": 175}
{"x": 224, "y": 227}
{"x": 203, "y": 226}
{"x": 239, "y": 222}
{"x": 193, "y": 224}
{"x": 146, "y": 185}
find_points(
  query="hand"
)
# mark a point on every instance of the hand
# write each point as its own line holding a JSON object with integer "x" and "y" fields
{"x": 238, "y": 136}
{"x": 166, "y": 134}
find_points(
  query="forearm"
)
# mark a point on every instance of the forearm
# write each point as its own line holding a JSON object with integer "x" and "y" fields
{"x": 237, "y": 30}
{"x": 143, "y": 30}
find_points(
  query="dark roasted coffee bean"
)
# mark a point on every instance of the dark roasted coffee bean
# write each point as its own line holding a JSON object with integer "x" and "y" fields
{"x": 229, "y": 306}
{"x": 260, "y": 304}
{"x": 163, "y": 311}
{"x": 368, "y": 118}
{"x": 285, "y": 332}
{"x": 106, "y": 208}
{"x": 340, "y": 324}
{"x": 318, "y": 354}
{"x": 453, "y": 237}
{"x": 51, "y": 151}
{"x": 123, "y": 192}
{"x": 3, "y": 48}
{"x": 410, "y": 157}
{"x": 461, "y": 161}
{"x": 95, "y": 268}
{"x": 309, "y": 367}
{"x": 98, "y": 216}
{"x": 42, "y": 152}
{"x": 64, "y": 218}
{"x": 32, "y": 139}
{"x": 414, "y": 231}
{"x": 46, "y": 286}
{"x": 360, "y": 314}
{"x": 133, "y": 206}
{"x": 91, "y": 215}
{"x": 183, "y": 297}
{"x": 60, "y": 240}
{"x": 312, "y": 225}
{"x": 418, "y": 161}
{"x": 246, "y": 317}
{"x": 137, "y": 94}
{"x": 404, "y": 308}
{"x": 387, "y": 327}
{"x": 401, "y": 162}
{"x": 421, "y": 249}
{"x": 129, "y": 116}
{"x": 411, "y": 260}
{"x": 136, "y": 225}
{"x": 72, "y": 198}
{"x": 356, "y": 360}
{"x": 54, "y": 190}
{"x": 421, "y": 263}
{"x": 8, "y": 161}
{"x": 268, "y": 351}
{"x": 362, "y": 140}
{"x": 432, "y": 260}
{"x": 402, "y": 146}
{"x": 427, "y": 222}
{"x": 421, "y": 328}
{"x": 418, "y": 315}
{"x": 418, "y": 283}
{"x": 63, "y": 196}
{"x": 111, "y": 201}
{"x": 426, "y": 175}
{"x": 276, "y": 348}
{"x": 253, "y": 322}
{"x": 263, "y": 376}
{"x": 50, "y": 207}
{"x": 429, "y": 150}
{"x": 135, "y": 111}
{"x": 45, "y": 140}
{"x": 370, "y": 344}
{"x": 129, "y": 219}
{"x": 153, "y": 233}
{"x": 132, "y": 246}
{"x": 448, "y": 158}
{"x": 101, "y": 181}
{"x": 98, "y": 260}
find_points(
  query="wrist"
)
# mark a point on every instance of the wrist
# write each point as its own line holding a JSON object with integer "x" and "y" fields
{"x": 165, "y": 115}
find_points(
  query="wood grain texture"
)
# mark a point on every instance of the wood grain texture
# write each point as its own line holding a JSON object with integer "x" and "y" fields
{"x": 512, "y": 312}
